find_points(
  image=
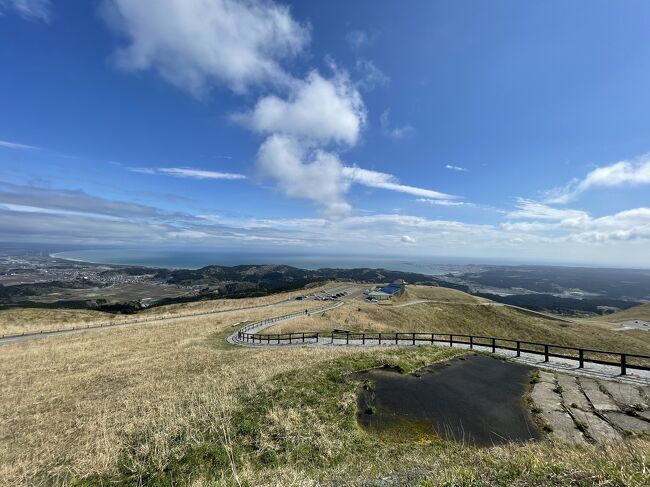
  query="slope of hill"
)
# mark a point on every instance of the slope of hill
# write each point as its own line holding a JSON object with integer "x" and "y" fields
{"x": 451, "y": 311}
{"x": 641, "y": 312}
{"x": 173, "y": 404}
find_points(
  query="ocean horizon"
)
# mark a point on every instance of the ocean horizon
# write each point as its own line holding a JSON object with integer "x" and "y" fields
{"x": 177, "y": 259}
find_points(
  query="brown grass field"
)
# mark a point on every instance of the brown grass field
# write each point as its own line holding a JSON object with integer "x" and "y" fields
{"x": 19, "y": 320}
{"x": 171, "y": 403}
{"x": 456, "y": 312}
{"x": 641, "y": 312}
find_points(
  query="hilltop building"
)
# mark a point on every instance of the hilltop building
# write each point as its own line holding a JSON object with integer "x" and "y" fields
{"x": 396, "y": 288}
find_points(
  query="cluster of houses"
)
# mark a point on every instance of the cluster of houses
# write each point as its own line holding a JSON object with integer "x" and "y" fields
{"x": 396, "y": 288}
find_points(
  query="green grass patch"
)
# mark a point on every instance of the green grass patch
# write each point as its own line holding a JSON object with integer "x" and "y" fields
{"x": 301, "y": 426}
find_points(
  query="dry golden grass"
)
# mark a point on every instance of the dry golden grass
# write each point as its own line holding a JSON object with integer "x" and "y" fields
{"x": 641, "y": 312}
{"x": 434, "y": 293}
{"x": 470, "y": 318}
{"x": 19, "y": 320}
{"x": 71, "y": 404}
{"x": 129, "y": 403}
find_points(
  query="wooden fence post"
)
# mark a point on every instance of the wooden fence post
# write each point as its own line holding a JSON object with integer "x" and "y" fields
{"x": 518, "y": 348}
{"x": 623, "y": 364}
{"x": 581, "y": 354}
{"x": 494, "y": 347}
{"x": 545, "y": 353}
{"x": 451, "y": 340}
{"x": 471, "y": 342}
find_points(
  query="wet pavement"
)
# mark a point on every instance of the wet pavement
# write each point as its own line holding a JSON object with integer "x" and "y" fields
{"x": 475, "y": 399}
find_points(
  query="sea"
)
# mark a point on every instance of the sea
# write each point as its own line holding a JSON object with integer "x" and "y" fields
{"x": 182, "y": 259}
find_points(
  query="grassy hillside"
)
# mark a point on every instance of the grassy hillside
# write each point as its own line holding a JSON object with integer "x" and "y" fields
{"x": 19, "y": 320}
{"x": 435, "y": 293}
{"x": 641, "y": 312}
{"x": 173, "y": 404}
{"x": 456, "y": 312}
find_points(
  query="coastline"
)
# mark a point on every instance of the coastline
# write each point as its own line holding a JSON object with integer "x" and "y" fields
{"x": 57, "y": 255}
{"x": 203, "y": 259}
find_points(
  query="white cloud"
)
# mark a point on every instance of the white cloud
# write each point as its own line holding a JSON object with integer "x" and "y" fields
{"x": 444, "y": 202}
{"x": 14, "y": 145}
{"x": 455, "y": 168}
{"x": 28, "y": 9}
{"x": 188, "y": 172}
{"x": 30, "y": 214}
{"x": 301, "y": 173}
{"x": 539, "y": 211}
{"x": 633, "y": 173}
{"x": 578, "y": 226}
{"x": 320, "y": 176}
{"x": 318, "y": 110}
{"x": 195, "y": 44}
{"x": 394, "y": 132}
{"x": 375, "y": 179}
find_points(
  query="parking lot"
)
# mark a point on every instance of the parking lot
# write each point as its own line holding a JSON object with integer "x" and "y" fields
{"x": 342, "y": 292}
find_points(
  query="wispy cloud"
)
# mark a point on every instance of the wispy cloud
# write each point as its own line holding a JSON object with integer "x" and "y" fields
{"x": 357, "y": 39}
{"x": 371, "y": 76}
{"x": 394, "y": 132}
{"x": 375, "y": 179}
{"x": 456, "y": 168}
{"x": 28, "y": 9}
{"x": 444, "y": 202}
{"x": 32, "y": 214}
{"x": 15, "y": 145}
{"x": 539, "y": 211}
{"x": 633, "y": 172}
{"x": 187, "y": 172}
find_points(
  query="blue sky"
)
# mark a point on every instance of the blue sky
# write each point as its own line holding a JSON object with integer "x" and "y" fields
{"x": 487, "y": 130}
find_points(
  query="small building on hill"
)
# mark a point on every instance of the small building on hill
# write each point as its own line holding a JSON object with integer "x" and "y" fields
{"x": 394, "y": 289}
{"x": 379, "y": 295}
{"x": 387, "y": 292}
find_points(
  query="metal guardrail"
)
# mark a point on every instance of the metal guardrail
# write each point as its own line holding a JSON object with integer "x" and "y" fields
{"x": 275, "y": 319}
{"x": 581, "y": 355}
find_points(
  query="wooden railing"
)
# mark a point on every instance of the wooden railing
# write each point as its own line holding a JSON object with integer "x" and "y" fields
{"x": 581, "y": 355}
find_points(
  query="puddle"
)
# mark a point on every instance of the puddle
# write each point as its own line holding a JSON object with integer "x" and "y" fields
{"x": 478, "y": 400}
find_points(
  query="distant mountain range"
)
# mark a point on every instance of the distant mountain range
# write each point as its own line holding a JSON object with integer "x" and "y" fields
{"x": 118, "y": 288}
